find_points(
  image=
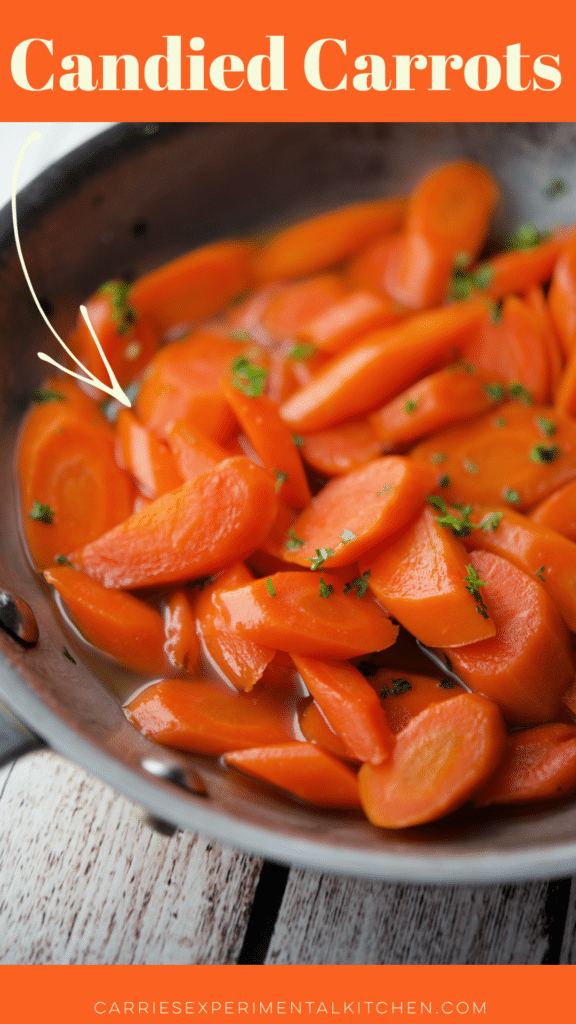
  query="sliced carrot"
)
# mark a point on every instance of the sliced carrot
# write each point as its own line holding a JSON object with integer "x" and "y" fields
{"x": 439, "y": 400}
{"x": 512, "y": 349}
{"x": 507, "y": 457}
{"x": 352, "y": 513}
{"x": 343, "y": 322}
{"x": 241, "y": 661}
{"x": 119, "y": 624}
{"x": 448, "y": 214}
{"x": 562, "y": 297}
{"x": 128, "y": 338}
{"x": 565, "y": 400}
{"x": 327, "y": 239}
{"x": 286, "y": 611}
{"x": 182, "y": 382}
{"x": 538, "y": 550}
{"x": 297, "y": 303}
{"x": 378, "y": 367}
{"x": 406, "y": 694}
{"x": 558, "y": 511}
{"x": 338, "y": 450}
{"x": 302, "y": 770}
{"x": 195, "y": 285}
{"x": 181, "y": 645}
{"x": 527, "y": 666}
{"x": 190, "y": 532}
{"x": 369, "y": 268}
{"x": 71, "y": 488}
{"x": 65, "y": 389}
{"x": 194, "y": 452}
{"x": 537, "y": 303}
{"x": 244, "y": 319}
{"x": 316, "y": 729}
{"x": 440, "y": 759}
{"x": 148, "y": 459}
{"x": 518, "y": 270}
{"x": 272, "y": 441}
{"x": 200, "y": 717}
{"x": 421, "y": 577}
{"x": 539, "y": 764}
{"x": 350, "y": 705}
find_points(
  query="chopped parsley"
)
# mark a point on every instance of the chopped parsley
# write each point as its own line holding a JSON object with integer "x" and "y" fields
{"x": 123, "y": 314}
{"x": 500, "y": 422}
{"x": 298, "y": 440}
{"x": 444, "y": 480}
{"x": 326, "y": 589}
{"x": 346, "y": 536}
{"x": 321, "y": 555}
{"x": 546, "y": 426}
{"x": 556, "y": 187}
{"x": 281, "y": 478}
{"x": 47, "y": 395}
{"x": 386, "y": 487}
{"x": 270, "y": 587}
{"x": 496, "y": 312}
{"x": 472, "y": 582}
{"x": 293, "y": 542}
{"x": 359, "y": 584}
{"x": 460, "y": 525}
{"x": 519, "y": 393}
{"x": 300, "y": 353}
{"x": 42, "y": 513}
{"x": 464, "y": 281}
{"x": 540, "y": 573}
{"x": 438, "y": 457}
{"x": 491, "y": 521}
{"x": 525, "y": 237}
{"x": 470, "y": 466}
{"x": 62, "y": 560}
{"x": 410, "y": 406}
{"x": 512, "y": 496}
{"x": 248, "y": 378}
{"x": 545, "y": 452}
{"x": 398, "y": 687}
{"x": 494, "y": 391}
{"x": 446, "y": 684}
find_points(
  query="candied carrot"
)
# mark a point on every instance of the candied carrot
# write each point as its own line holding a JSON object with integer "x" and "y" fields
{"x": 518, "y": 270}
{"x": 527, "y": 666}
{"x": 354, "y": 512}
{"x": 406, "y": 694}
{"x": 305, "y": 613}
{"x": 297, "y": 303}
{"x": 316, "y": 729}
{"x": 350, "y": 705}
{"x": 302, "y": 770}
{"x": 558, "y": 511}
{"x": 194, "y": 452}
{"x": 327, "y": 239}
{"x": 421, "y": 577}
{"x": 562, "y": 297}
{"x": 198, "y": 716}
{"x": 335, "y": 451}
{"x": 359, "y": 313}
{"x": 272, "y": 441}
{"x": 241, "y": 661}
{"x": 192, "y": 531}
{"x": 378, "y": 367}
{"x": 119, "y": 624}
{"x": 181, "y": 645}
{"x": 439, "y": 400}
{"x": 537, "y": 303}
{"x": 442, "y": 756}
{"x": 512, "y": 349}
{"x": 148, "y": 459}
{"x": 369, "y": 268}
{"x": 516, "y": 455}
{"x": 195, "y": 285}
{"x": 539, "y": 764}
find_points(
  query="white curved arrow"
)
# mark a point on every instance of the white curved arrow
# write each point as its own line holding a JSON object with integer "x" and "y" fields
{"x": 115, "y": 391}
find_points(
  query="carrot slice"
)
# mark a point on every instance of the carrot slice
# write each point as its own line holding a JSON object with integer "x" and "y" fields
{"x": 440, "y": 758}
{"x": 338, "y": 450}
{"x": 128, "y": 338}
{"x": 195, "y": 285}
{"x": 369, "y": 268}
{"x": 512, "y": 349}
{"x": 527, "y": 666}
{"x": 302, "y": 770}
{"x": 562, "y": 297}
{"x": 520, "y": 269}
{"x": 286, "y": 611}
{"x": 439, "y": 400}
{"x": 327, "y": 239}
{"x": 198, "y": 716}
{"x": 195, "y": 453}
{"x": 507, "y": 457}
{"x": 350, "y": 705}
{"x": 361, "y": 312}
{"x": 297, "y": 303}
{"x": 352, "y": 513}
{"x": 272, "y": 441}
{"x": 241, "y": 661}
{"x": 72, "y": 489}
{"x": 558, "y": 511}
{"x": 190, "y": 532}
{"x": 181, "y": 645}
{"x": 539, "y": 764}
{"x": 118, "y": 624}
{"x": 406, "y": 694}
{"x": 536, "y": 302}
{"x": 147, "y": 458}
{"x": 316, "y": 729}
{"x": 537, "y": 550}
{"x": 182, "y": 382}
{"x": 378, "y": 367}
{"x": 421, "y": 577}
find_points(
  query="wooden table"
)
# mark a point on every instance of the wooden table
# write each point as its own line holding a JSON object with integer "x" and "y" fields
{"x": 85, "y": 880}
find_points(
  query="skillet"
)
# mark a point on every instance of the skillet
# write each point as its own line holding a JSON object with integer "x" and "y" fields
{"x": 130, "y": 199}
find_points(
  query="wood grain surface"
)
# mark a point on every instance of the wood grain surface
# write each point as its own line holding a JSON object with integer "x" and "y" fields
{"x": 84, "y": 880}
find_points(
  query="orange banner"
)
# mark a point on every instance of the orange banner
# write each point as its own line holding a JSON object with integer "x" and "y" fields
{"x": 320, "y": 61}
{"x": 487, "y": 995}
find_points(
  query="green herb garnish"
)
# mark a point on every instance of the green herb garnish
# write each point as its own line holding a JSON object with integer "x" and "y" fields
{"x": 525, "y": 237}
{"x": 300, "y": 353}
{"x": 491, "y": 521}
{"x": 512, "y": 496}
{"x": 281, "y": 478}
{"x": 546, "y": 427}
{"x": 555, "y": 188}
{"x": 545, "y": 452}
{"x": 326, "y": 589}
{"x": 438, "y": 457}
{"x": 62, "y": 560}
{"x": 446, "y": 684}
{"x": 540, "y": 573}
{"x": 123, "y": 314}
{"x": 494, "y": 391}
{"x": 270, "y": 587}
{"x": 248, "y": 378}
{"x": 519, "y": 393}
{"x": 410, "y": 406}
{"x": 382, "y": 490}
{"x": 444, "y": 480}
{"x": 241, "y": 335}
{"x": 460, "y": 525}
{"x": 46, "y": 395}
{"x": 470, "y": 466}
{"x": 321, "y": 555}
{"x": 360, "y": 584}
{"x": 42, "y": 513}
{"x": 293, "y": 543}
{"x": 298, "y": 440}
{"x": 472, "y": 582}
{"x": 496, "y": 312}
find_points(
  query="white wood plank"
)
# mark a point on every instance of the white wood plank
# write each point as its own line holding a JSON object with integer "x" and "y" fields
{"x": 330, "y": 920}
{"x": 84, "y": 881}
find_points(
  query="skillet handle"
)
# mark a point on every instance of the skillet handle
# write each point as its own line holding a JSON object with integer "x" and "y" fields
{"x": 15, "y": 738}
